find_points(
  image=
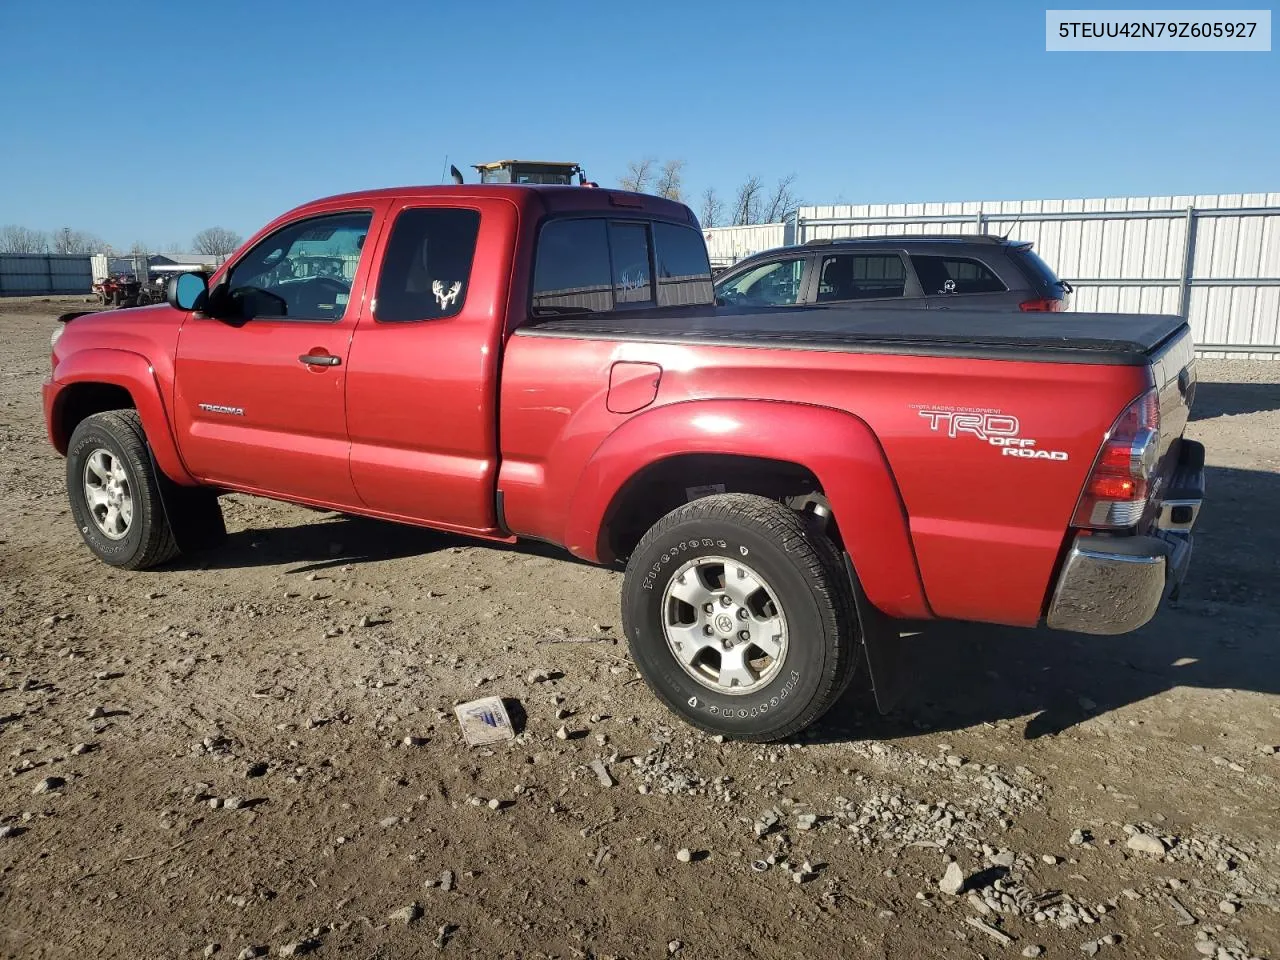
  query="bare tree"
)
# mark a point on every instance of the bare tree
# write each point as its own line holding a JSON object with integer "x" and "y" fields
{"x": 216, "y": 242}
{"x": 782, "y": 201}
{"x": 638, "y": 175}
{"x": 71, "y": 241}
{"x": 712, "y": 208}
{"x": 669, "y": 180}
{"x": 15, "y": 239}
{"x": 746, "y": 204}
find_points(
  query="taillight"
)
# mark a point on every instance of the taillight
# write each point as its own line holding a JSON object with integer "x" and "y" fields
{"x": 1115, "y": 494}
{"x": 1042, "y": 305}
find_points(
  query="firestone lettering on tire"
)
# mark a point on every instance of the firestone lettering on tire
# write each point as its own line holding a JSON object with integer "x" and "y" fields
{"x": 763, "y": 707}
{"x": 650, "y": 577}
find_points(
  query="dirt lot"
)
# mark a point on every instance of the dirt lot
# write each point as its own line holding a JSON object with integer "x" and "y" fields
{"x": 213, "y": 758}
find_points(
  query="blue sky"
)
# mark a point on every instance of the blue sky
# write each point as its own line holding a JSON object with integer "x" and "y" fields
{"x": 151, "y": 121}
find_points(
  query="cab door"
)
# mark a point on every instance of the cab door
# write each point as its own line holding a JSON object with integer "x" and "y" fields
{"x": 261, "y": 383}
{"x": 422, "y": 394}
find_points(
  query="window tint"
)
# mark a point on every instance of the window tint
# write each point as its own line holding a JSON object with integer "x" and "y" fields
{"x": 949, "y": 275}
{"x": 774, "y": 284}
{"x": 572, "y": 272}
{"x": 632, "y": 278}
{"x": 862, "y": 277}
{"x": 426, "y": 271}
{"x": 303, "y": 271}
{"x": 684, "y": 272}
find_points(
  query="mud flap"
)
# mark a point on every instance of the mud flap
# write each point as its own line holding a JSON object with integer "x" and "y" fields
{"x": 881, "y": 645}
{"x": 192, "y": 513}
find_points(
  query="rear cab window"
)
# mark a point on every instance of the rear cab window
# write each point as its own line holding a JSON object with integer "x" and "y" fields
{"x": 601, "y": 264}
{"x": 947, "y": 276}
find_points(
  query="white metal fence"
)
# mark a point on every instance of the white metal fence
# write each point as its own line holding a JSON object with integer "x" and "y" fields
{"x": 1214, "y": 258}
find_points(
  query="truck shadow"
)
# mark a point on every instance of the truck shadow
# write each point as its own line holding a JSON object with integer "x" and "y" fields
{"x": 336, "y": 540}
{"x": 1222, "y": 635}
{"x": 1228, "y": 399}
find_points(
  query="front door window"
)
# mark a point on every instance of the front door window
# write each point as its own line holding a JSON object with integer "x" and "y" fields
{"x": 303, "y": 271}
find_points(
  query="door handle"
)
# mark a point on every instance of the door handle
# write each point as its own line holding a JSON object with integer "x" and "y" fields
{"x": 320, "y": 360}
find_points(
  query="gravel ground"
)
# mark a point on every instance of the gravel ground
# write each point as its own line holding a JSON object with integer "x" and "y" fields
{"x": 254, "y": 751}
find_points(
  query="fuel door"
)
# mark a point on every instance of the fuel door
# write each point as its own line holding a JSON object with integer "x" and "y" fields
{"x": 632, "y": 386}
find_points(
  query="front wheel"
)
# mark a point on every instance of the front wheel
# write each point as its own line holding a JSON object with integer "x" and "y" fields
{"x": 115, "y": 498}
{"x": 740, "y": 617}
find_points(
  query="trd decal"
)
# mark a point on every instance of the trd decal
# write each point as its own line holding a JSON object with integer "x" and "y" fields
{"x": 994, "y": 428}
{"x": 219, "y": 408}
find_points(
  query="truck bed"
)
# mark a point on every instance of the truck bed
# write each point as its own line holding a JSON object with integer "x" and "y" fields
{"x": 1094, "y": 338}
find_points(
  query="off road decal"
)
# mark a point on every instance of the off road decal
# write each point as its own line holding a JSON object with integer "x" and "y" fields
{"x": 993, "y": 427}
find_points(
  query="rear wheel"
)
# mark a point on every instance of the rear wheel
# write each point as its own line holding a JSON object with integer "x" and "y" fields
{"x": 740, "y": 617}
{"x": 115, "y": 498}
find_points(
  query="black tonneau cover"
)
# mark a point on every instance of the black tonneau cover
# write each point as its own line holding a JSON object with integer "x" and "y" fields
{"x": 1111, "y": 338}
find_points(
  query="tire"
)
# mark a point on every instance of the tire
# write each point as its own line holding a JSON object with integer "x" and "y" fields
{"x": 781, "y": 579}
{"x": 108, "y": 454}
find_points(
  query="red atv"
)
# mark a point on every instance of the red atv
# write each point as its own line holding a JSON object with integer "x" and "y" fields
{"x": 119, "y": 291}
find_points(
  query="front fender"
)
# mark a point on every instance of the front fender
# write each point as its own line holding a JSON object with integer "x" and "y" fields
{"x": 120, "y": 368}
{"x": 838, "y": 448}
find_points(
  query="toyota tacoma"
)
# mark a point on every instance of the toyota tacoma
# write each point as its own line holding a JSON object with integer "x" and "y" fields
{"x": 785, "y": 488}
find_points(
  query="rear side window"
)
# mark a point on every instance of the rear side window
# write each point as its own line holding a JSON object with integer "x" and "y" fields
{"x": 863, "y": 277}
{"x": 597, "y": 265}
{"x": 682, "y": 267}
{"x": 951, "y": 275}
{"x": 426, "y": 271}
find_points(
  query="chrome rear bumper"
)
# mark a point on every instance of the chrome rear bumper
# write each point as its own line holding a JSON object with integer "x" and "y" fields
{"x": 1111, "y": 585}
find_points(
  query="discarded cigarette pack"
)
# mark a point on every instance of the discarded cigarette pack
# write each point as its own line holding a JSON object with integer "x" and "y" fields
{"x": 484, "y": 721}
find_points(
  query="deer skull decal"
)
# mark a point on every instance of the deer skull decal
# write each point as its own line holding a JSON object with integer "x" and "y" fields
{"x": 446, "y": 297}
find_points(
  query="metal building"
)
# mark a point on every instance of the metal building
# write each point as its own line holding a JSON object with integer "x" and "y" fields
{"x": 36, "y": 274}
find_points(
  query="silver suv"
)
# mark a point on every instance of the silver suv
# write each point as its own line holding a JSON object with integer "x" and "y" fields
{"x": 932, "y": 272}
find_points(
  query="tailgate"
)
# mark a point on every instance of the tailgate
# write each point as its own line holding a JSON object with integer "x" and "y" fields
{"x": 1181, "y": 463}
{"x": 1173, "y": 372}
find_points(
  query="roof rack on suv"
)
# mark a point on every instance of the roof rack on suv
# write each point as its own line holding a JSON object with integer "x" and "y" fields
{"x": 893, "y": 238}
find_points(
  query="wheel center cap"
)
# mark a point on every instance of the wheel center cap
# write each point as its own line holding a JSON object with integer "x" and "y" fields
{"x": 724, "y": 624}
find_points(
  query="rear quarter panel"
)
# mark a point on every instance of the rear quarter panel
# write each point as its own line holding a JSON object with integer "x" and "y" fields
{"x": 987, "y": 528}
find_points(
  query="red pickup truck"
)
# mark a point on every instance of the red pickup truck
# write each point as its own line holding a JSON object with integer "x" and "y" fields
{"x": 785, "y": 488}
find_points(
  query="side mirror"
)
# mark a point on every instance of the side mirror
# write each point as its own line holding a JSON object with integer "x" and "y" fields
{"x": 188, "y": 291}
